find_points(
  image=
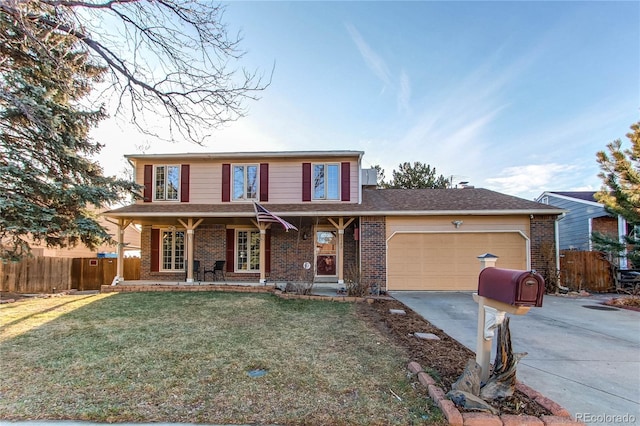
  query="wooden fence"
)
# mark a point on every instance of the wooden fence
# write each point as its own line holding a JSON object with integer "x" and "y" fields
{"x": 585, "y": 270}
{"x": 53, "y": 274}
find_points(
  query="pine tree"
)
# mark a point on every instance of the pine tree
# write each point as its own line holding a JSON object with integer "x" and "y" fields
{"x": 50, "y": 185}
{"x": 621, "y": 194}
{"x": 416, "y": 176}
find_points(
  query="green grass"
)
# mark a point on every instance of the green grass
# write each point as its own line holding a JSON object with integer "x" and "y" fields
{"x": 184, "y": 357}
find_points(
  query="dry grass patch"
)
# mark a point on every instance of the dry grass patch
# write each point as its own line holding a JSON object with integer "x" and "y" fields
{"x": 184, "y": 357}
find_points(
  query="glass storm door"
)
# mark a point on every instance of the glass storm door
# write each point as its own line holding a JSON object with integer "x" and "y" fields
{"x": 326, "y": 245}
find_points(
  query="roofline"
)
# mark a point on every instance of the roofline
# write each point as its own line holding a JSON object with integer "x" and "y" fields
{"x": 348, "y": 213}
{"x": 243, "y": 155}
{"x": 565, "y": 197}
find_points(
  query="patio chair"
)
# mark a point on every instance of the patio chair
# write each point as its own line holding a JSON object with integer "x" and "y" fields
{"x": 196, "y": 269}
{"x": 217, "y": 271}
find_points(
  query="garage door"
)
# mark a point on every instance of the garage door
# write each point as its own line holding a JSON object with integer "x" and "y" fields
{"x": 449, "y": 261}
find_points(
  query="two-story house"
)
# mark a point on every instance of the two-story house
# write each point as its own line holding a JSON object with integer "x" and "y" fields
{"x": 199, "y": 209}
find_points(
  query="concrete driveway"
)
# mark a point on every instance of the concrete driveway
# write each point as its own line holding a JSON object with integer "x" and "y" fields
{"x": 585, "y": 359}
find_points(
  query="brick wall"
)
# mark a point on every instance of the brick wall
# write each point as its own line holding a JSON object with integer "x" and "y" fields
{"x": 605, "y": 225}
{"x": 373, "y": 246}
{"x": 289, "y": 251}
{"x": 543, "y": 249}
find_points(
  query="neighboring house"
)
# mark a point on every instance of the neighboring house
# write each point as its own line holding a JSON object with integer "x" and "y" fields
{"x": 131, "y": 248}
{"x": 584, "y": 216}
{"x": 200, "y": 207}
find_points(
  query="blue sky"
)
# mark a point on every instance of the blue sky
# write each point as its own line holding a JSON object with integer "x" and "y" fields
{"x": 512, "y": 96}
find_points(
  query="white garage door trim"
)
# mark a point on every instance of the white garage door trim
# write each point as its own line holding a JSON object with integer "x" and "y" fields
{"x": 526, "y": 238}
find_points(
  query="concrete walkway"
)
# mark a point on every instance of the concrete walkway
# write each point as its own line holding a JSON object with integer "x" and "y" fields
{"x": 585, "y": 359}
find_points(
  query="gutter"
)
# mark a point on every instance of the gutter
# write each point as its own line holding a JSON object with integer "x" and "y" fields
{"x": 343, "y": 213}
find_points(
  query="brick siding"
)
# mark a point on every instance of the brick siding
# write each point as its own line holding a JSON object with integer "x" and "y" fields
{"x": 543, "y": 248}
{"x": 605, "y": 225}
{"x": 373, "y": 254}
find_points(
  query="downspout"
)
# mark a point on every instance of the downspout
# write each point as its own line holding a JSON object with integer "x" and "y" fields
{"x": 556, "y": 231}
{"x": 622, "y": 232}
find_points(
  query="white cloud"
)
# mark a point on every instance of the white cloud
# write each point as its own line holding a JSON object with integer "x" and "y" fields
{"x": 532, "y": 178}
{"x": 375, "y": 63}
{"x": 381, "y": 70}
{"x": 404, "y": 94}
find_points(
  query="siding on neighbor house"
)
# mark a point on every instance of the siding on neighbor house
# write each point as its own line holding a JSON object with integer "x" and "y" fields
{"x": 283, "y": 178}
{"x": 574, "y": 231}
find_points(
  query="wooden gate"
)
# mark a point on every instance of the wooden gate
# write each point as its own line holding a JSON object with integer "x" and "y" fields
{"x": 91, "y": 273}
{"x": 585, "y": 270}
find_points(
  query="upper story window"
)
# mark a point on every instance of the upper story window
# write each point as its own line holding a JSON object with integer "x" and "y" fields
{"x": 167, "y": 183}
{"x": 245, "y": 182}
{"x": 326, "y": 181}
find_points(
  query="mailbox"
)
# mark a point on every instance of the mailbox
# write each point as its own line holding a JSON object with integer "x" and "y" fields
{"x": 515, "y": 287}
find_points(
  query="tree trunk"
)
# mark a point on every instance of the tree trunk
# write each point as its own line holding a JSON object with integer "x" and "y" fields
{"x": 502, "y": 382}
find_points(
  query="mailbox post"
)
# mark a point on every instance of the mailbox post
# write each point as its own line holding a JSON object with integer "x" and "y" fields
{"x": 501, "y": 291}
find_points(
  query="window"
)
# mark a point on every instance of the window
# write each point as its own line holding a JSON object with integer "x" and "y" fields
{"x": 172, "y": 250}
{"x": 326, "y": 182}
{"x": 167, "y": 182}
{"x": 245, "y": 182}
{"x": 247, "y": 250}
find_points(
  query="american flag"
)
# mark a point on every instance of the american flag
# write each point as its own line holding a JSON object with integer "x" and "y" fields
{"x": 264, "y": 215}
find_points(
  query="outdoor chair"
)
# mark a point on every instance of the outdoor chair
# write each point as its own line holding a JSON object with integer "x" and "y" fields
{"x": 217, "y": 271}
{"x": 196, "y": 269}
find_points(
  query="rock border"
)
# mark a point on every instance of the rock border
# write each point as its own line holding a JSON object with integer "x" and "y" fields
{"x": 455, "y": 418}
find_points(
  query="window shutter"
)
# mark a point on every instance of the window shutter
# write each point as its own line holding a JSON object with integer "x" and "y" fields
{"x": 306, "y": 181}
{"x": 345, "y": 177}
{"x": 231, "y": 236}
{"x": 264, "y": 182}
{"x": 155, "y": 250}
{"x": 226, "y": 183}
{"x": 184, "y": 184}
{"x": 267, "y": 251}
{"x": 148, "y": 183}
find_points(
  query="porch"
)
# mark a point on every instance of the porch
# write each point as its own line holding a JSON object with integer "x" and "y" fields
{"x": 318, "y": 289}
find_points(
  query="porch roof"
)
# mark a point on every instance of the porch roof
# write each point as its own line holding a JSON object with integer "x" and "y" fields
{"x": 375, "y": 202}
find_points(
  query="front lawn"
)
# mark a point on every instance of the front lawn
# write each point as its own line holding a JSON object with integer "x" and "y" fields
{"x": 185, "y": 357}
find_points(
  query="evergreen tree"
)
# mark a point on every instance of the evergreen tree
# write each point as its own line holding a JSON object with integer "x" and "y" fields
{"x": 50, "y": 186}
{"x": 416, "y": 176}
{"x": 621, "y": 194}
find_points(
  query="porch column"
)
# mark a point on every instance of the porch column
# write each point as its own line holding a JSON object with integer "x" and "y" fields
{"x": 341, "y": 226}
{"x": 189, "y": 255}
{"x": 190, "y": 226}
{"x": 340, "y": 250}
{"x": 122, "y": 225}
{"x": 263, "y": 254}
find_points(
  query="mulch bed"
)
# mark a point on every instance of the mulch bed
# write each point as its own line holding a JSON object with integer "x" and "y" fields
{"x": 443, "y": 359}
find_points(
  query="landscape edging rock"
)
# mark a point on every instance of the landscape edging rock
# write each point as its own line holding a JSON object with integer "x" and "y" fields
{"x": 456, "y": 418}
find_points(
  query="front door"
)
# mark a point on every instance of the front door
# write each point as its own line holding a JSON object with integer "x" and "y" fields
{"x": 326, "y": 253}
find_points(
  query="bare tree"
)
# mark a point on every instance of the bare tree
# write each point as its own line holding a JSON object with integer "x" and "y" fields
{"x": 172, "y": 65}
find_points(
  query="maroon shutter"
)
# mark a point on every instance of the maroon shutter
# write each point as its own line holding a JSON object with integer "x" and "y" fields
{"x": 155, "y": 250}
{"x": 231, "y": 236}
{"x": 226, "y": 183}
{"x": 264, "y": 182}
{"x": 267, "y": 251}
{"x": 148, "y": 183}
{"x": 345, "y": 177}
{"x": 306, "y": 181}
{"x": 184, "y": 184}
